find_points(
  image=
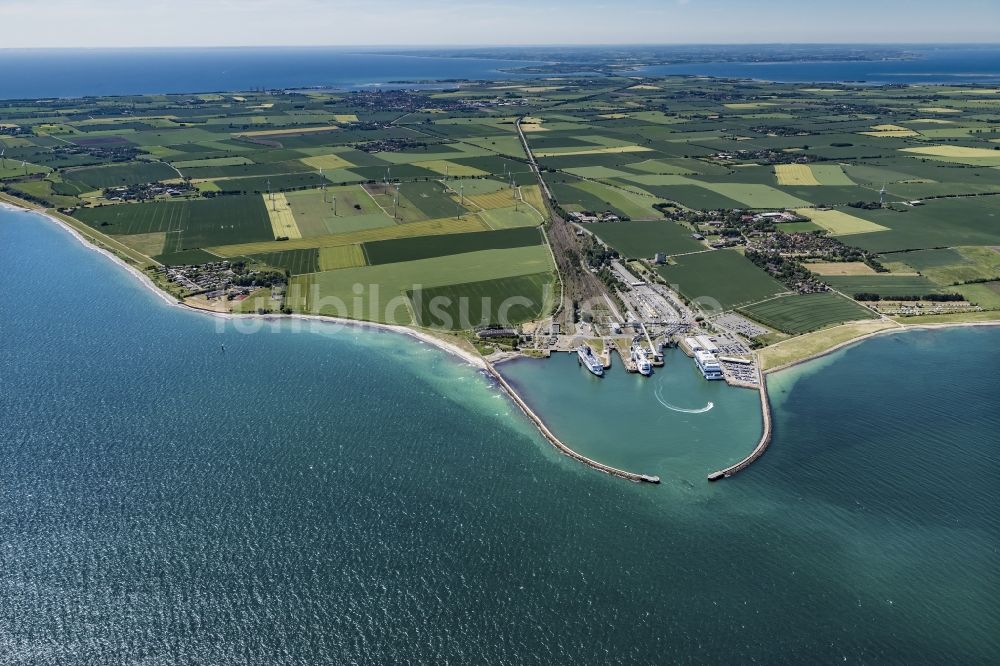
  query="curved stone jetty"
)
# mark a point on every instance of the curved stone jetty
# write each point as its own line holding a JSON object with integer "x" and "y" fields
{"x": 601, "y": 467}
{"x": 765, "y": 439}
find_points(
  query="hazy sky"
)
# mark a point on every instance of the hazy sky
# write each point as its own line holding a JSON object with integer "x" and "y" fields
{"x": 46, "y": 23}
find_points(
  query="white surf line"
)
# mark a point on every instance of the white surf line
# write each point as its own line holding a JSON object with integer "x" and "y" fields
{"x": 683, "y": 410}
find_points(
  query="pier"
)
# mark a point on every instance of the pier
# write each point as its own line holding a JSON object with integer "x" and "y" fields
{"x": 626, "y": 359}
{"x": 765, "y": 439}
{"x": 556, "y": 442}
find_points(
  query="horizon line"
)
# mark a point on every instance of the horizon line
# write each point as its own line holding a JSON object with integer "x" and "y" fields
{"x": 491, "y": 46}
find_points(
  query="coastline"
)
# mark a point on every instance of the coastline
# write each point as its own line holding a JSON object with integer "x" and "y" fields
{"x": 423, "y": 336}
{"x": 899, "y": 328}
{"x": 486, "y": 366}
{"x": 144, "y": 280}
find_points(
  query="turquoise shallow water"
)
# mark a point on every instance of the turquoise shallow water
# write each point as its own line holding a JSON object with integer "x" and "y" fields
{"x": 673, "y": 424}
{"x": 311, "y": 497}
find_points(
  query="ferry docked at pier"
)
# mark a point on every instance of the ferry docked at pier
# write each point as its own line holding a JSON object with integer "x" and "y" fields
{"x": 708, "y": 364}
{"x": 641, "y": 361}
{"x": 590, "y": 360}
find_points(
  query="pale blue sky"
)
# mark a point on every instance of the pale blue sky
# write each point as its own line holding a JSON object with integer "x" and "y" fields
{"x": 34, "y": 23}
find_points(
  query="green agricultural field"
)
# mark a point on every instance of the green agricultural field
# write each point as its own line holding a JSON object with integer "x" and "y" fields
{"x": 187, "y": 258}
{"x": 188, "y": 224}
{"x": 134, "y": 173}
{"x": 632, "y": 202}
{"x": 716, "y": 148}
{"x": 938, "y": 223}
{"x": 983, "y": 294}
{"x": 694, "y": 196}
{"x": 425, "y": 228}
{"x": 643, "y": 240}
{"x": 475, "y": 186}
{"x": 384, "y": 288}
{"x": 928, "y": 259}
{"x": 42, "y": 190}
{"x": 503, "y": 301}
{"x": 432, "y": 199}
{"x": 755, "y": 196}
{"x": 951, "y": 266}
{"x": 235, "y": 160}
{"x": 295, "y": 262}
{"x": 883, "y": 284}
{"x": 798, "y": 227}
{"x": 723, "y": 277}
{"x": 425, "y": 247}
{"x": 830, "y": 174}
{"x": 267, "y": 169}
{"x": 512, "y": 217}
{"x": 356, "y": 211}
{"x": 598, "y": 172}
{"x": 801, "y": 313}
{"x": 262, "y": 184}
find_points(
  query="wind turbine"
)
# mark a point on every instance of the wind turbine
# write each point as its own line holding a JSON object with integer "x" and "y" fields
{"x": 395, "y": 202}
{"x": 3, "y": 159}
{"x": 881, "y": 195}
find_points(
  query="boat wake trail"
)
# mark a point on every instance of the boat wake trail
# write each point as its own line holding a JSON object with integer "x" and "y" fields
{"x": 675, "y": 408}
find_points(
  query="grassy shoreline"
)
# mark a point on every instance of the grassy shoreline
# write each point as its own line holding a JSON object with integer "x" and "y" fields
{"x": 827, "y": 341}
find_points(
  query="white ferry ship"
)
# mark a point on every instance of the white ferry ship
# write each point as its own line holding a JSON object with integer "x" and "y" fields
{"x": 590, "y": 360}
{"x": 708, "y": 364}
{"x": 641, "y": 361}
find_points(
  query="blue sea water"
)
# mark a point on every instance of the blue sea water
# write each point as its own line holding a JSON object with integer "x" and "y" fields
{"x": 329, "y": 497}
{"x": 929, "y": 64}
{"x": 41, "y": 73}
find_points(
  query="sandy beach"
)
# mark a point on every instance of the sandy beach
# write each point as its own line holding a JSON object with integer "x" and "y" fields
{"x": 480, "y": 363}
{"x": 144, "y": 280}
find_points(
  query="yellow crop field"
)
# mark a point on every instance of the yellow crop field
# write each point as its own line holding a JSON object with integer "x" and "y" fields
{"x": 795, "y": 174}
{"x": 150, "y": 244}
{"x": 952, "y": 151}
{"x": 345, "y": 117}
{"x": 933, "y": 121}
{"x": 643, "y": 86}
{"x": 336, "y": 257}
{"x": 498, "y": 199}
{"x": 326, "y": 162}
{"x": 938, "y": 109}
{"x": 446, "y": 168}
{"x": 840, "y": 268}
{"x": 288, "y": 131}
{"x": 282, "y": 220}
{"x": 532, "y": 195}
{"x": 449, "y": 225}
{"x": 749, "y": 105}
{"x": 533, "y": 127}
{"x": 891, "y": 131}
{"x": 839, "y": 223}
{"x": 597, "y": 150}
